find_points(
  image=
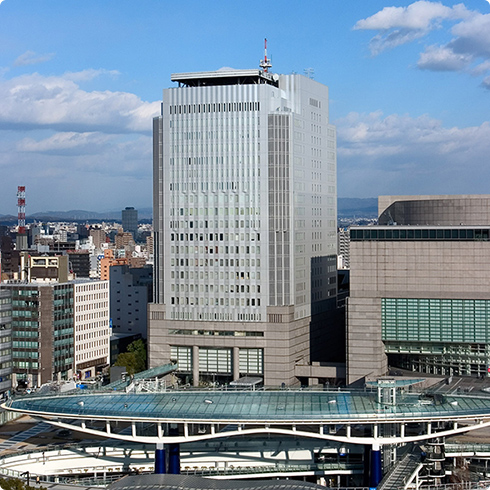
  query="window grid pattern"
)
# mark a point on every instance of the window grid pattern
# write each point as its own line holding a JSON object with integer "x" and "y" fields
{"x": 183, "y": 356}
{"x": 251, "y": 361}
{"x": 419, "y": 234}
{"x": 212, "y": 200}
{"x": 435, "y": 320}
{"x": 215, "y": 360}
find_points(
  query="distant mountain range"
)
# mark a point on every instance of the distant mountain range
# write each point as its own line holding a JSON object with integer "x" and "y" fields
{"x": 347, "y": 208}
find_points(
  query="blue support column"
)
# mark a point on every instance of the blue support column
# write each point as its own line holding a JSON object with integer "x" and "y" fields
{"x": 376, "y": 472}
{"x": 174, "y": 454}
{"x": 160, "y": 462}
{"x": 174, "y": 459}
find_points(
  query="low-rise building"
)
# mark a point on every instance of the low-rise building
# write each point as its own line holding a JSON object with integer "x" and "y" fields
{"x": 419, "y": 288}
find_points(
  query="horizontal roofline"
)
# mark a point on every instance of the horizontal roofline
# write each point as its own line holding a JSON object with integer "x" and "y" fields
{"x": 224, "y": 76}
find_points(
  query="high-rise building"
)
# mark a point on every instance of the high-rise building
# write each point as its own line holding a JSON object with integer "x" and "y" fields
{"x": 130, "y": 221}
{"x": 245, "y": 223}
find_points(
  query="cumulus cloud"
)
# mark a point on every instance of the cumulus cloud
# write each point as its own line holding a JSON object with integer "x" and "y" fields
{"x": 472, "y": 36}
{"x": 35, "y": 101}
{"x": 83, "y": 141}
{"x": 468, "y": 50}
{"x": 31, "y": 58}
{"x": 400, "y": 25}
{"x": 443, "y": 58}
{"x": 401, "y": 154}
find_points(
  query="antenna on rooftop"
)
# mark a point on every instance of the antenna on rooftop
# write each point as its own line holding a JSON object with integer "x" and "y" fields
{"x": 265, "y": 64}
{"x": 21, "y": 209}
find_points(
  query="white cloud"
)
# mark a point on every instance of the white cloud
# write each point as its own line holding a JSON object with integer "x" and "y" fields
{"x": 443, "y": 58}
{"x": 89, "y": 74}
{"x": 421, "y": 15}
{"x": 69, "y": 143}
{"x": 400, "y": 25}
{"x": 399, "y": 154}
{"x": 31, "y": 58}
{"x": 486, "y": 83}
{"x": 57, "y": 102}
{"x": 473, "y": 36}
{"x": 468, "y": 50}
{"x": 481, "y": 69}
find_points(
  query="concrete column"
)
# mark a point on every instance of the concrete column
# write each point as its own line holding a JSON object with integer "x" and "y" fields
{"x": 236, "y": 363}
{"x": 160, "y": 463}
{"x": 375, "y": 470}
{"x": 195, "y": 365}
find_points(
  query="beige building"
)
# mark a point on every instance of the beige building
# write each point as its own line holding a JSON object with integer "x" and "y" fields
{"x": 420, "y": 288}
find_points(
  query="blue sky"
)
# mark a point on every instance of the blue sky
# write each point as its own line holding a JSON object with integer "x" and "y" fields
{"x": 80, "y": 81}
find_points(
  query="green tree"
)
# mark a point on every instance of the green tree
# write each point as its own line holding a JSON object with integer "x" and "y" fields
{"x": 17, "y": 484}
{"x": 134, "y": 359}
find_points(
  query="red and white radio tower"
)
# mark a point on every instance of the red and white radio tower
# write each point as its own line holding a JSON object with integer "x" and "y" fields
{"x": 266, "y": 63}
{"x": 21, "y": 209}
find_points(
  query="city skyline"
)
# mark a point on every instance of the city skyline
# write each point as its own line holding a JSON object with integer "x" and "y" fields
{"x": 79, "y": 84}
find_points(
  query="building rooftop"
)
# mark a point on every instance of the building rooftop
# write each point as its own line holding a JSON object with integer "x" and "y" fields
{"x": 224, "y": 76}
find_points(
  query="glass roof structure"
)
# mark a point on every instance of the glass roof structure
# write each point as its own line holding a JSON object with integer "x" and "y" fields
{"x": 246, "y": 407}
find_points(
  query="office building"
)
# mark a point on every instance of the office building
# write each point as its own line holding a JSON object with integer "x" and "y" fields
{"x": 5, "y": 342}
{"x": 91, "y": 326}
{"x": 130, "y": 221}
{"x": 108, "y": 261}
{"x": 79, "y": 263}
{"x": 99, "y": 238}
{"x": 419, "y": 295}
{"x": 42, "y": 332}
{"x": 244, "y": 215}
{"x": 343, "y": 236}
{"x": 131, "y": 289}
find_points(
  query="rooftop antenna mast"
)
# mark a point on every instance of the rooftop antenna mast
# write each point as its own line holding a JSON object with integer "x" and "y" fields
{"x": 21, "y": 209}
{"x": 265, "y": 64}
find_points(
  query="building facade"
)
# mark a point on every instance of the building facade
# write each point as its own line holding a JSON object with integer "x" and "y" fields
{"x": 419, "y": 290}
{"x": 56, "y": 330}
{"x": 245, "y": 223}
{"x": 42, "y": 332}
{"x": 5, "y": 342}
{"x": 92, "y": 327}
{"x": 130, "y": 289}
{"x": 130, "y": 221}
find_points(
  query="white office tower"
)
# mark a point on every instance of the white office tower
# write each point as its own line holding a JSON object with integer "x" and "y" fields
{"x": 245, "y": 224}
